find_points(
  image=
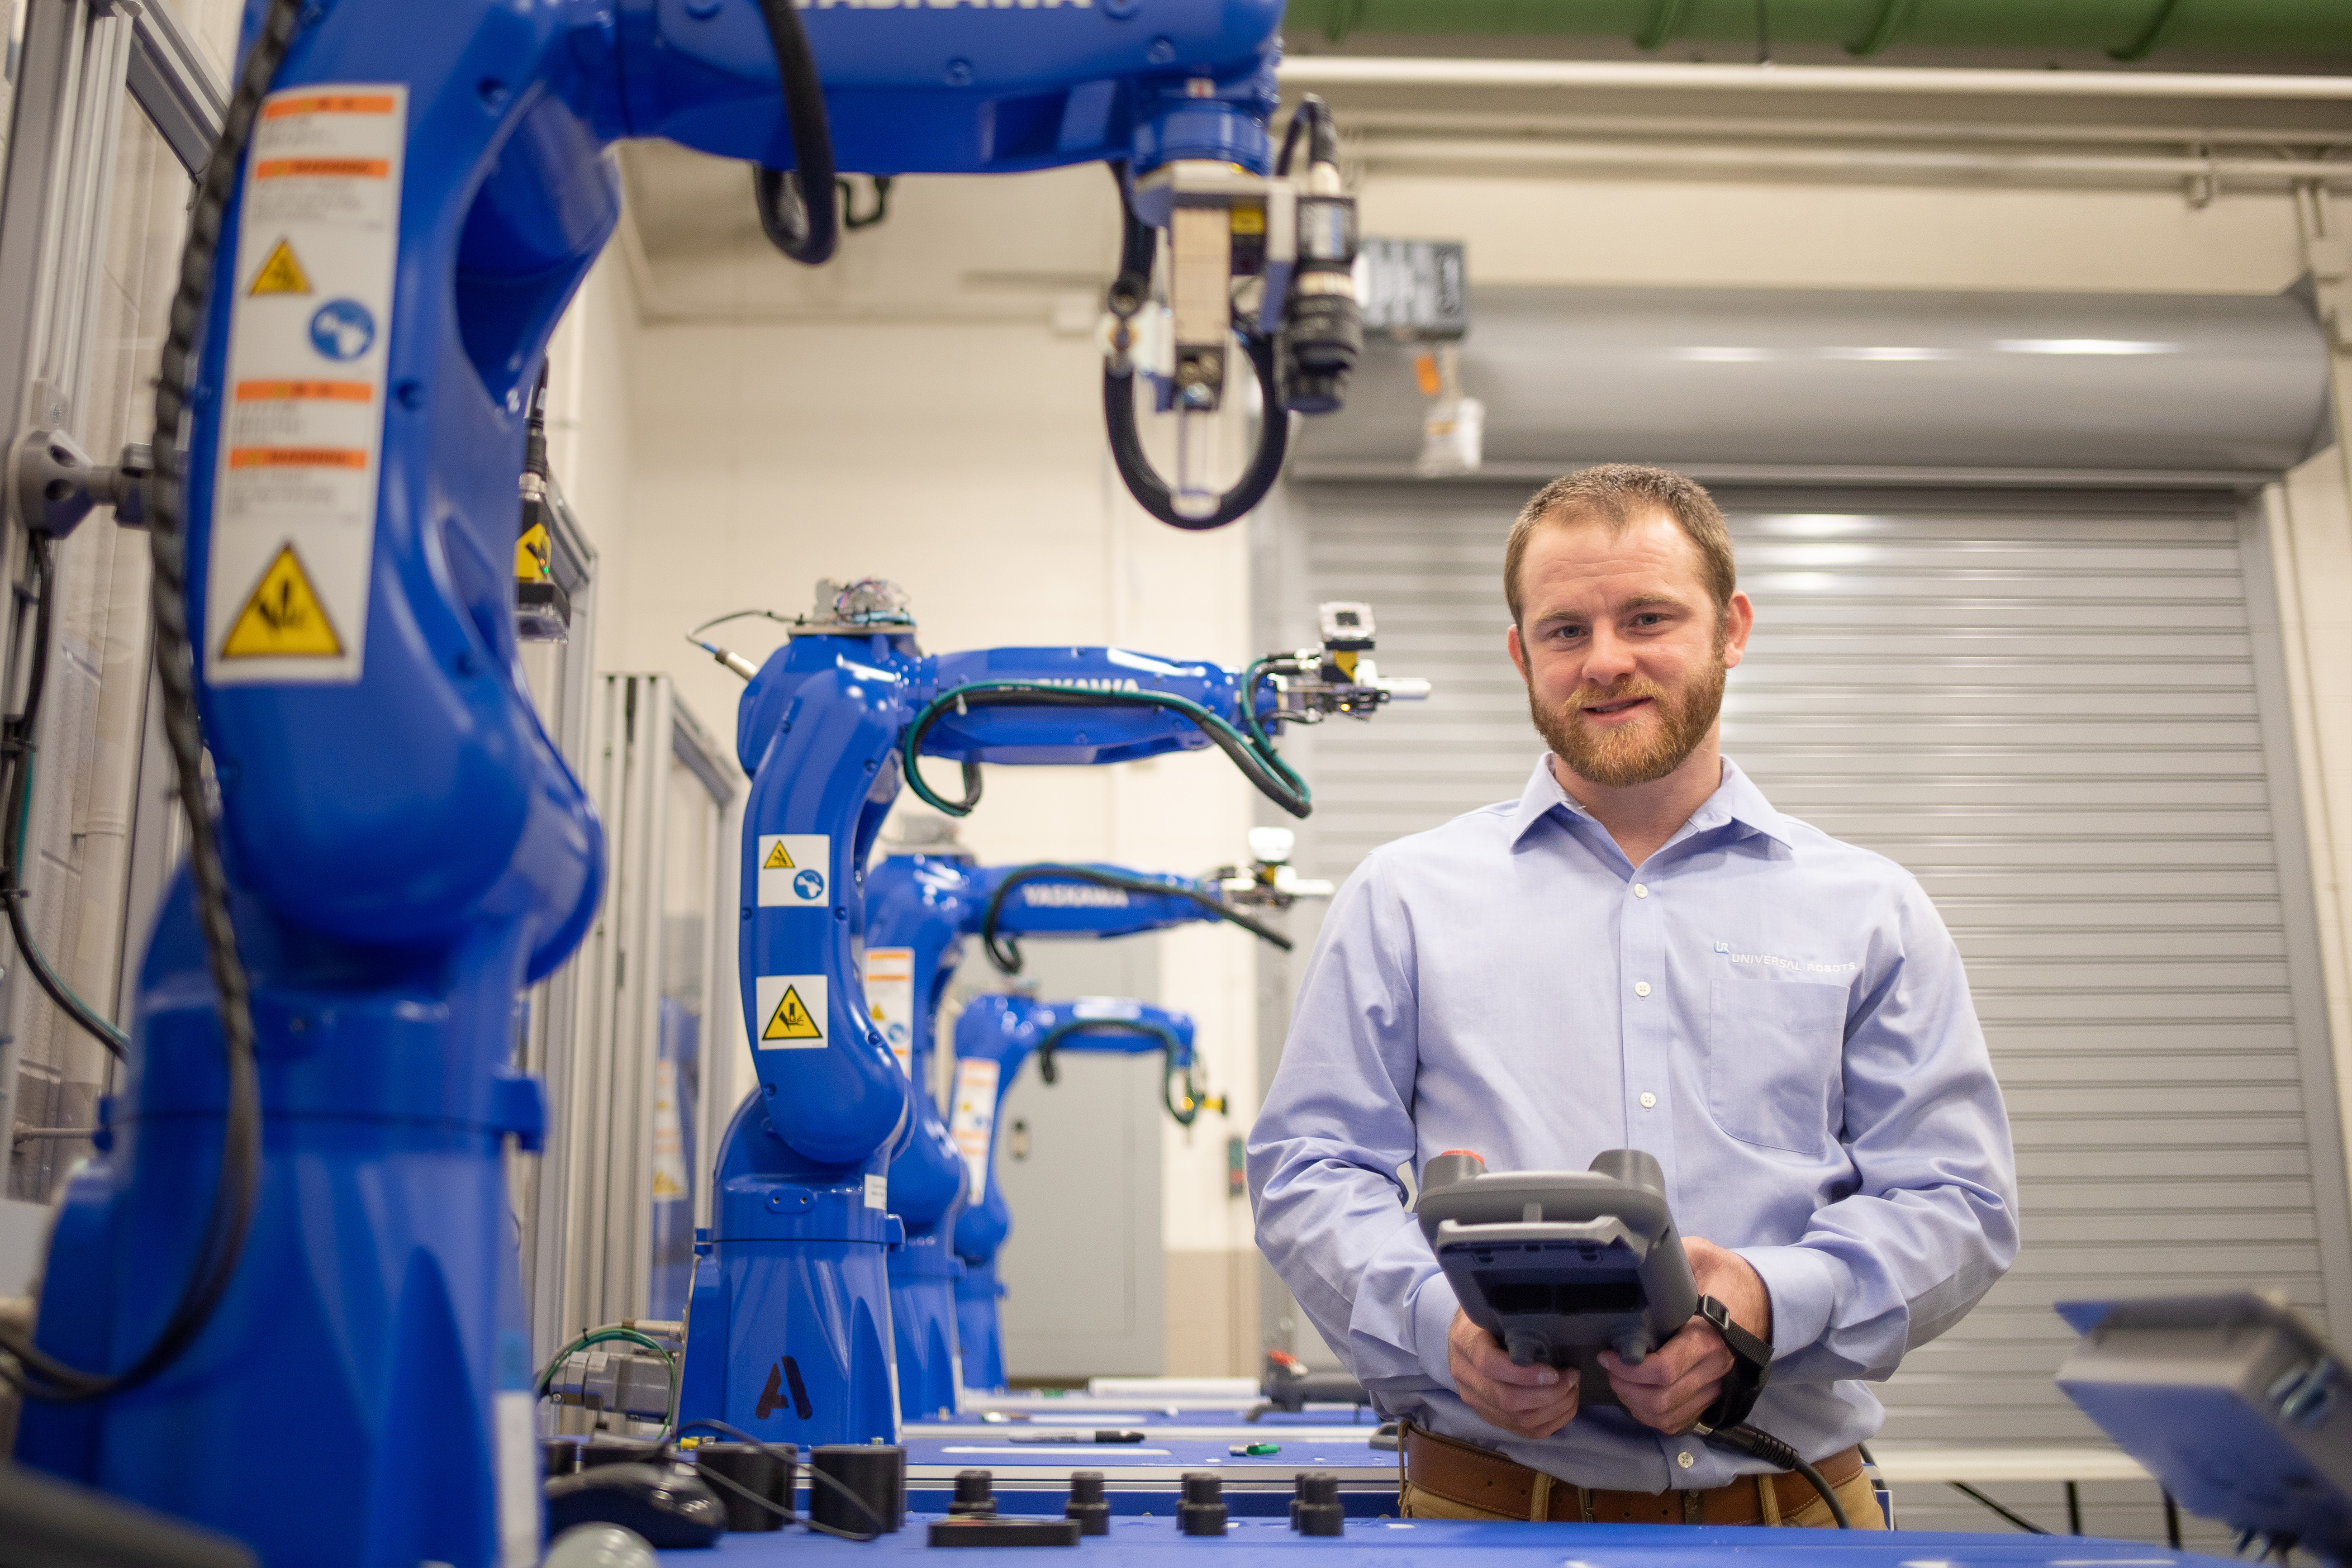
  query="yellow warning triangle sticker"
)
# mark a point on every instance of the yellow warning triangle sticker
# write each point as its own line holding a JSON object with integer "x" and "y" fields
{"x": 792, "y": 1021}
{"x": 282, "y": 617}
{"x": 281, "y": 273}
{"x": 777, "y": 859}
{"x": 534, "y": 555}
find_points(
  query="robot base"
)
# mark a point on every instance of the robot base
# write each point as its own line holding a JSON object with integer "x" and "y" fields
{"x": 984, "y": 1348}
{"x": 788, "y": 1329}
{"x": 362, "y": 1397}
{"x": 923, "y": 1276}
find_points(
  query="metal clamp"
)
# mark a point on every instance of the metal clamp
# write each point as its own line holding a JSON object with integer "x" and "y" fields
{"x": 58, "y": 484}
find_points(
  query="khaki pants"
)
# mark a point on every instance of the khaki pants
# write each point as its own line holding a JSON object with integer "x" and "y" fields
{"x": 1860, "y": 1500}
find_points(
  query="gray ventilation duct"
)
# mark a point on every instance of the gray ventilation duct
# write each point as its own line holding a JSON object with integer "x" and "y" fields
{"x": 1851, "y": 384}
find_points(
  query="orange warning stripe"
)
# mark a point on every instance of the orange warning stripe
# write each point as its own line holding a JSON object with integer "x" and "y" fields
{"x": 337, "y": 168}
{"x": 331, "y": 103}
{"x": 296, "y": 457}
{"x": 301, "y": 391}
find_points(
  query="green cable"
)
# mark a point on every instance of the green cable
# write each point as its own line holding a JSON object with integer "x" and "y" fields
{"x": 601, "y": 1336}
{"x": 1257, "y": 733}
{"x": 1283, "y": 785}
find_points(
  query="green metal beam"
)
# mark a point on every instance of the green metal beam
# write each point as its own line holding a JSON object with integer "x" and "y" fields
{"x": 2123, "y": 29}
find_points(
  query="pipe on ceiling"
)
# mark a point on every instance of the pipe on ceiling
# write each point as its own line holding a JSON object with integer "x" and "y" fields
{"x": 2123, "y": 29}
{"x": 1320, "y": 71}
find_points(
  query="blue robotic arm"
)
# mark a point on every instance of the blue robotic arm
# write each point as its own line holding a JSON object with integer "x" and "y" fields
{"x": 829, "y": 727}
{"x": 994, "y": 1037}
{"x": 919, "y": 909}
{"x": 400, "y": 848}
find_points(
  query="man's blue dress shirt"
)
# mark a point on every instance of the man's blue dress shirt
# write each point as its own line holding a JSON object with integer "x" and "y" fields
{"x": 1779, "y": 1017}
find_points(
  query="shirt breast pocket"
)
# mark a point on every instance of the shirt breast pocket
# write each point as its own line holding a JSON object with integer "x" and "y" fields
{"x": 1775, "y": 1062}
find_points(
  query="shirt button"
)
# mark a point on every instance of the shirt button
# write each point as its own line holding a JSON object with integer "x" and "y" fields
{"x": 1649, "y": 1102}
{"x": 1685, "y": 1460}
{"x": 1640, "y": 988}
{"x": 1641, "y": 890}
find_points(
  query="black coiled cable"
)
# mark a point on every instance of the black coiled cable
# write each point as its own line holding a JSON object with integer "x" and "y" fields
{"x": 1760, "y": 1444}
{"x": 1005, "y": 953}
{"x": 1139, "y": 244}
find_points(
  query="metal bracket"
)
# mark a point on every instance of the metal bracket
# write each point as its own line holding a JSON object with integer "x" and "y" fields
{"x": 58, "y": 484}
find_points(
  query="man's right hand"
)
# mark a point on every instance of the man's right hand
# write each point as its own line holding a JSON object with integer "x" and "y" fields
{"x": 1532, "y": 1401}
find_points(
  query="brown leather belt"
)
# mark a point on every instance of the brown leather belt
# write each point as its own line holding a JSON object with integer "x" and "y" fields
{"x": 1481, "y": 1479}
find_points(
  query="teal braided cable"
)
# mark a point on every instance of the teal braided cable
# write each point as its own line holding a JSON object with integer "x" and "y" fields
{"x": 1209, "y": 722}
{"x": 1265, "y": 744}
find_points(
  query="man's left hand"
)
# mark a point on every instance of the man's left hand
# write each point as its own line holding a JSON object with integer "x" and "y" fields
{"x": 1676, "y": 1383}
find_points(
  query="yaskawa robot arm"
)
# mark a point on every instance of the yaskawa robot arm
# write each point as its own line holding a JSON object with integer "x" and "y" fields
{"x": 790, "y": 1323}
{"x": 378, "y": 250}
{"x": 921, "y": 908}
{"x": 994, "y": 1036}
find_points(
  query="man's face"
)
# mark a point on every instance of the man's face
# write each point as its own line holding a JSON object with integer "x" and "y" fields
{"x": 1621, "y": 649}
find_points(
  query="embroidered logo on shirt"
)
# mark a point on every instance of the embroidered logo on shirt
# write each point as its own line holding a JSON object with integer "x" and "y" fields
{"x": 1775, "y": 962}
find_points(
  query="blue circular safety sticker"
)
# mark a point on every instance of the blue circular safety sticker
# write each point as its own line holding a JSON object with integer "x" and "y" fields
{"x": 342, "y": 329}
{"x": 809, "y": 884}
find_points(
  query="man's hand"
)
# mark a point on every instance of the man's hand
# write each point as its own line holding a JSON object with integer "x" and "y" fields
{"x": 1676, "y": 1383}
{"x": 1532, "y": 1401}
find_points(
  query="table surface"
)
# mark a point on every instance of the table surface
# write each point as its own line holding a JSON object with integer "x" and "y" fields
{"x": 1199, "y": 1430}
{"x": 1154, "y": 1540}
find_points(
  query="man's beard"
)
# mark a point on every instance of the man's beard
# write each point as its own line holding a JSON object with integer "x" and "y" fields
{"x": 1636, "y": 753}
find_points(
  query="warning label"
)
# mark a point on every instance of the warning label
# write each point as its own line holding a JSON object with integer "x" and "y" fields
{"x": 791, "y": 1009}
{"x": 534, "y": 555}
{"x": 793, "y": 867}
{"x": 281, "y": 273}
{"x": 282, "y": 617}
{"x": 890, "y": 997}
{"x": 973, "y": 1121}
{"x": 293, "y": 535}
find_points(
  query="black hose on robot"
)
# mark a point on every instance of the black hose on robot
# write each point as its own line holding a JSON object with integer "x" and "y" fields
{"x": 237, "y": 1186}
{"x": 811, "y": 236}
{"x": 1137, "y": 246}
{"x": 1005, "y": 953}
{"x": 1169, "y": 1046}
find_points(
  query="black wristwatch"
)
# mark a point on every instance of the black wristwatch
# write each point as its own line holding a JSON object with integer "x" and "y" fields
{"x": 1751, "y": 1368}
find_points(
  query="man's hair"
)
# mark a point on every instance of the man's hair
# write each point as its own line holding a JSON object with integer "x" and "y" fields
{"x": 1617, "y": 494}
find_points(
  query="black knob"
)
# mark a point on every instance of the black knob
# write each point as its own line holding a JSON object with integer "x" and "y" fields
{"x": 1315, "y": 1507}
{"x": 1087, "y": 1505}
{"x": 975, "y": 1494}
{"x": 1201, "y": 1510}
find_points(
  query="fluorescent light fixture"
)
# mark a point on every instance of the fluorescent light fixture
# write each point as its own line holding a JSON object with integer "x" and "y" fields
{"x": 1815, "y": 525}
{"x": 1798, "y": 581}
{"x": 1889, "y": 354}
{"x": 1725, "y": 356}
{"x": 2082, "y": 346}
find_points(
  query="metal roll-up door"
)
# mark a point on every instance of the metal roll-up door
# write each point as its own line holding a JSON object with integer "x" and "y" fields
{"x": 2066, "y": 718}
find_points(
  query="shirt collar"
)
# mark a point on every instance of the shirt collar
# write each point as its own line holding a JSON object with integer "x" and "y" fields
{"x": 1736, "y": 801}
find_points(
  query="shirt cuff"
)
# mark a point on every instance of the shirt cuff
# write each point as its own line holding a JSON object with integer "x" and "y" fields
{"x": 1803, "y": 1285}
{"x": 1434, "y": 1306}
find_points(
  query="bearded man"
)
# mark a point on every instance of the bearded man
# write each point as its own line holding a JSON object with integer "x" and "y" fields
{"x": 1638, "y": 951}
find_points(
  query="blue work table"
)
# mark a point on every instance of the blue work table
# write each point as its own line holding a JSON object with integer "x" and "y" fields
{"x": 1153, "y": 1540}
